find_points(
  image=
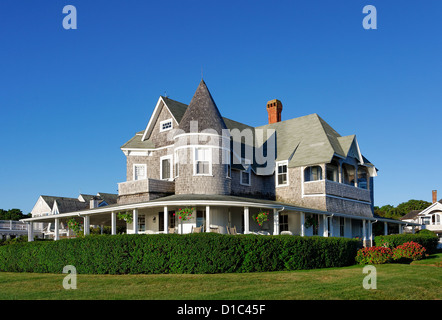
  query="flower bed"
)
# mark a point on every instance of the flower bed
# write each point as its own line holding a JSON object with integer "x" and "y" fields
{"x": 404, "y": 253}
{"x": 409, "y": 251}
{"x": 374, "y": 255}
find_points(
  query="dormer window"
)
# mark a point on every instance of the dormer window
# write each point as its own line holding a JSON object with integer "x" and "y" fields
{"x": 166, "y": 125}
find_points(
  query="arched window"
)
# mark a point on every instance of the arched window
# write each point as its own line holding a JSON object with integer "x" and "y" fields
{"x": 362, "y": 178}
{"x": 348, "y": 173}
{"x": 313, "y": 173}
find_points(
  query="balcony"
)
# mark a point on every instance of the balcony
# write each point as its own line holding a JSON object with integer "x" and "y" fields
{"x": 336, "y": 189}
{"x": 146, "y": 186}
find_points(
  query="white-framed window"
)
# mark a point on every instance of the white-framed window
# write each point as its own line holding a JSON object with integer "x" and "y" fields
{"x": 282, "y": 175}
{"x": 341, "y": 226}
{"x": 313, "y": 173}
{"x": 245, "y": 175}
{"x": 283, "y": 222}
{"x": 139, "y": 171}
{"x": 203, "y": 161}
{"x": 227, "y": 163}
{"x": 166, "y": 167}
{"x": 166, "y": 125}
{"x": 142, "y": 223}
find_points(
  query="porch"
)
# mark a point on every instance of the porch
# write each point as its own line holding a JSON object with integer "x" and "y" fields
{"x": 216, "y": 213}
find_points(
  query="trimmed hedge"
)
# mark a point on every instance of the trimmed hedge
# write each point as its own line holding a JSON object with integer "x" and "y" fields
{"x": 172, "y": 253}
{"x": 428, "y": 241}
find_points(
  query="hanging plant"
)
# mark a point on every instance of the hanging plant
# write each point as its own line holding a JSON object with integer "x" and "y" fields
{"x": 261, "y": 217}
{"x": 75, "y": 227}
{"x": 310, "y": 222}
{"x": 185, "y": 213}
{"x": 126, "y": 216}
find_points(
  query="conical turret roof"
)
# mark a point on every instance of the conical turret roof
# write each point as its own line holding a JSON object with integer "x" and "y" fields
{"x": 203, "y": 110}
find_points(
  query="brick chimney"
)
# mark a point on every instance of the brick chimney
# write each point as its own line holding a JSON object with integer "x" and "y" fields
{"x": 274, "y": 108}
{"x": 434, "y": 196}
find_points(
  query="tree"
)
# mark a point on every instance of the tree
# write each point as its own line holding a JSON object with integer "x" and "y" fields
{"x": 389, "y": 211}
{"x": 13, "y": 214}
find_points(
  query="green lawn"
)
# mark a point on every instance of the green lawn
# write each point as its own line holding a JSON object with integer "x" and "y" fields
{"x": 418, "y": 281}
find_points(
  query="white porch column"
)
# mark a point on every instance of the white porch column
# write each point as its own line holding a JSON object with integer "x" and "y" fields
{"x": 400, "y": 229}
{"x": 302, "y": 224}
{"x": 56, "y": 229}
{"x": 207, "y": 218}
{"x": 86, "y": 225}
{"x": 30, "y": 231}
{"x": 385, "y": 228}
{"x": 370, "y": 230}
{"x": 275, "y": 222}
{"x": 364, "y": 233}
{"x": 166, "y": 220}
{"x": 135, "y": 221}
{"x": 413, "y": 231}
{"x": 324, "y": 226}
{"x": 114, "y": 223}
{"x": 246, "y": 220}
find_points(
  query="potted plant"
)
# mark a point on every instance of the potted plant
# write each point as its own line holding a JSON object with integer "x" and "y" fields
{"x": 261, "y": 217}
{"x": 75, "y": 226}
{"x": 184, "y": 214}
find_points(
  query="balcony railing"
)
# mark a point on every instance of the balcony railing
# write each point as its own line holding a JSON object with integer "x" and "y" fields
{"x": 12, "y": 225}
{"x": 336, "y": 189}
{"x": 145, "y": 186}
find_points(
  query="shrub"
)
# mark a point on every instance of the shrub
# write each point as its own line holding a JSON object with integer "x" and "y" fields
{"x": 175, "y": 253}
{"x": 428, "y": 241}
{"x": 409, "y": 251}
{"x": 374, "y": 255}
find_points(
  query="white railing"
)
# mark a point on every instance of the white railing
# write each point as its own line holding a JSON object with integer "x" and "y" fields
{"x": 13, "y": 225}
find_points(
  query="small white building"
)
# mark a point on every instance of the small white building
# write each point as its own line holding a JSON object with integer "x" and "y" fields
{"x": 429, "y": 218}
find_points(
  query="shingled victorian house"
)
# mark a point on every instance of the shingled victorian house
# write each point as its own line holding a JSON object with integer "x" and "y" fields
{"x": 310, "y": 179}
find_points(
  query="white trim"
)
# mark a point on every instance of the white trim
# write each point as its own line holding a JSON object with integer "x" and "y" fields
{"x": 277, "y": 164}
{"x": 181, "y": 203}
{"x": 201, "y": 134}
{"x": 154, "y": 117}
{"x": 165, "y": 121}
{"x": 170, "y": 157}
{"x": 140, "y": 165}
{"x": 176, "y": 164}
{"x": 250, "y": 177}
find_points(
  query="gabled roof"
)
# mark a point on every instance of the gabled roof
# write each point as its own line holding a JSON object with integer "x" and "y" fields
{"x": 303, "y": 141}
{"x": 434, "y": 206}
{"x": 203, "y": 111}
{"x": 412, "y": 215}
{"x": 64, "y": 205}
{"x": 109, "y": 198}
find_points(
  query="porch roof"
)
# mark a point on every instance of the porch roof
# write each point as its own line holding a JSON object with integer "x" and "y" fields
{"x": 206, "y": 200}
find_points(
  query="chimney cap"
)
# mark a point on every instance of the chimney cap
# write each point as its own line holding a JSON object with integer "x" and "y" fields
{"x": 274, "y": 102}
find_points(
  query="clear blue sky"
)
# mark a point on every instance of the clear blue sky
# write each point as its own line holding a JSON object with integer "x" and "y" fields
{"x": 70, "y": 98}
